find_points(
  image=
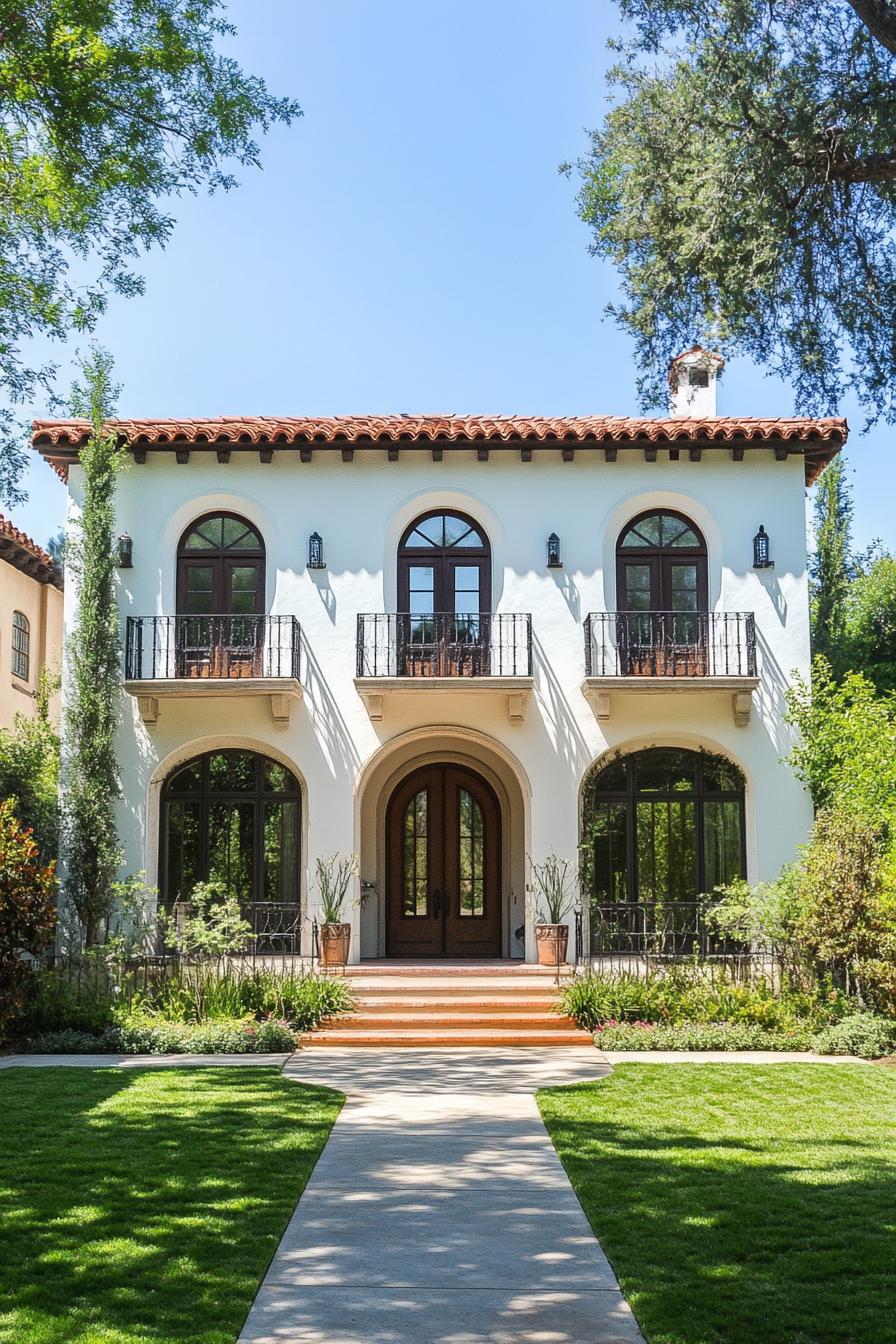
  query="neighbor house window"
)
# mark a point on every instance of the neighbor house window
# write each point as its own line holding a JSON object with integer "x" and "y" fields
{"x": 231, "y": 818}
{"x": 21, "y": 646}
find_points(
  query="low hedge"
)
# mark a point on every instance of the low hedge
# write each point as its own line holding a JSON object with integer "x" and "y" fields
{"x": 699, "y": 1036}
{"x": 239, "y": 1036}
{"x": 863, "y": 1034}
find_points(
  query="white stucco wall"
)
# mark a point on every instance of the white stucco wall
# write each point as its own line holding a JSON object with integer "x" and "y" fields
{"x": 361, "y": 509}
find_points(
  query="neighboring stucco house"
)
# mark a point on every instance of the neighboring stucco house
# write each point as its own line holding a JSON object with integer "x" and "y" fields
{"x": 30, "y": 622}
{"x": 452, "y": 646}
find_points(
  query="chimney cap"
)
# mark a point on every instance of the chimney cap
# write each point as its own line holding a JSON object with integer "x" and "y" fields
{"x": 696, "y": 357}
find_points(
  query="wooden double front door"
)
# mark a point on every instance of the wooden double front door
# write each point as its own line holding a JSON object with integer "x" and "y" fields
{"x": 443, "y": 831}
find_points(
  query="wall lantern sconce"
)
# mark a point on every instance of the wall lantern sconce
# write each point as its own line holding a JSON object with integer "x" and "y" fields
{"x": 554, "y": 561}
{"x": 125, "y": 552}
{"x": 316, "y": 552}
{"x": 761, "y": 557}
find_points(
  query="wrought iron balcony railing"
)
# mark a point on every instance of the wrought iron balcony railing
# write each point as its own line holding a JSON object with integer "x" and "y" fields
{"x": 400, "y": 644}
{"x": 159, "y": 648}
{"x": 670, "y": 644}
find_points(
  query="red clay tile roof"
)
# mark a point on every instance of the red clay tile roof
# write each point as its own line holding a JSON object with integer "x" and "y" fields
{"x": 20, "y": 551}
{"x": 818, "y": 440}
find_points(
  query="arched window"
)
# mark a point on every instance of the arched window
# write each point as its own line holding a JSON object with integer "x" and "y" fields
{"x": 660, "y": 828}
{"x": 444, "y": 564}
{"x": 220, "y": 594}
{"x": 444, "y": 596}
{"x": 662, "y": 590}
{"x": 661, "y": 565}
{"x": 220, "y": 568}
{"x": 21, "y": 645}
{"x": 231, "y": 818}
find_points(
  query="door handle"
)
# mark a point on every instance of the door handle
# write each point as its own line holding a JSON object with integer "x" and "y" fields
{"x": 436, "y": 903}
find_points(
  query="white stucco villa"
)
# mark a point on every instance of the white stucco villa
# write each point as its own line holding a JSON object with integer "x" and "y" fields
{"x": 452, "y": 646}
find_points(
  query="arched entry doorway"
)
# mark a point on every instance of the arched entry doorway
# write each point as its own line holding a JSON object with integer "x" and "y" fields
{"x": 443, "y": 865}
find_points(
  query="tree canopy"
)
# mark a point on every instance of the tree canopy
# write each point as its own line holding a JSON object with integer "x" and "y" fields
{"x": 744, "y": 184}
{"x": 108, "y": 109}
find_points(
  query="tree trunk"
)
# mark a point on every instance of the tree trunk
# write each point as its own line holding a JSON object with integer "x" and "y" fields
{"x": 879, "y": 17}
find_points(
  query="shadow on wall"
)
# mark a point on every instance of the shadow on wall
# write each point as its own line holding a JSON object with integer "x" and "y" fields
{"x": 326, "y": 716}
{"x": 770, "y": 697}
{"x": 569, "y": 742}
{"x": 570, "y": 593}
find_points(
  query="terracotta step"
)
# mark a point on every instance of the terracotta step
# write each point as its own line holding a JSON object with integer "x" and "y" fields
{"x": 470, "y": 1036}
{"x": 454, "y": 985}
{"x": 447, "y": 1003}
{"x": 407, "y": 1021}
{"x": 450, "y": 970}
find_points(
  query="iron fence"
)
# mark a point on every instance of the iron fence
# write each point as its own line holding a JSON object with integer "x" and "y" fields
{"x": 444, "y": 644}
{"x": 216, "y": 647}
{"x": 667, "y": 929}
{"x": 670, "y": 644}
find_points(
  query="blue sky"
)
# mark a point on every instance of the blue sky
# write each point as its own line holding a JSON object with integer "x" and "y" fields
{"x": 409, "y": 244}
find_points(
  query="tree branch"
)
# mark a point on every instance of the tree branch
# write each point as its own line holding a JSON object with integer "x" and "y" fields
{"x": 879, "y": 17}
{"x": 873, "y": 168}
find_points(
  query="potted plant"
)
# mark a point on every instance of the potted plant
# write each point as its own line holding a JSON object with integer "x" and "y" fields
{"x": 334, "y": 876}
{"x": 553, "y": 885}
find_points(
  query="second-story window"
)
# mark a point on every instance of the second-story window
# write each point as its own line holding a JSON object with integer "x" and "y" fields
{"x": 21, "y": 646}
{"x": 661, "y": 565}
{"x": 662, "y": 593}
{"x": 219, "y": 630}
{"x": 444, "y": 565}
{"x": 220, "y": 568}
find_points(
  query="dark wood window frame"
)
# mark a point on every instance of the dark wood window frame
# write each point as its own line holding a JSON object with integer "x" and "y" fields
{"x": 630, "y": 795}
{"x": 661, "y": 558}
{"x": 217, "y": 558}
{"x": 21, "y": 646}
{"x": 206, "y": 797}
{"x": 444, "y": 559}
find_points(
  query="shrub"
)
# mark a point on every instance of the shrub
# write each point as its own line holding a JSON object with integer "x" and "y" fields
{"x": 700, "y": 1036}
{"x": 867, "y": 1035}
{"x": 206, "y": 991}
{"x": 27, "y": 915}
{"x": 29, "y": 768}
{"x": 79, "y": 998}
{"x": 694, "y": 993}
{"x": 142, "y": 1036}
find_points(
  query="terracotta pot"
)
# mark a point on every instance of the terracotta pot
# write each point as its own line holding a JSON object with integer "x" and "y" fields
{"x": 551, "y": 941}
{"x": 334, "y": 941}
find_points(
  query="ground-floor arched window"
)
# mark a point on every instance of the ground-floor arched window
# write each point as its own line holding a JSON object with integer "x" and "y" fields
{"x": 660, "y": 829}
{"x": 232, "y": 818}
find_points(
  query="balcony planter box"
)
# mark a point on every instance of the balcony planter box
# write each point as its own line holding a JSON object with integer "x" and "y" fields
{"x": 334, "y": 944}
{"x": 551, "y": 941}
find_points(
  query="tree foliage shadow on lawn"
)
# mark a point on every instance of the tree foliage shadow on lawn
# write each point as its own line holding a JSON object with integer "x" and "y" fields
{"x": 145, "y": 1205}
{"x": 741, "y": 1204}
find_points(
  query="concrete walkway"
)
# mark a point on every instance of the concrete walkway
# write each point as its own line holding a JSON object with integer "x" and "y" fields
{"x": 439, "y": 1212}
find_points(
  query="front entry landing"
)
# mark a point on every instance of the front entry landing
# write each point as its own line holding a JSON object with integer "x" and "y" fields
{"x": 443, "y": 847}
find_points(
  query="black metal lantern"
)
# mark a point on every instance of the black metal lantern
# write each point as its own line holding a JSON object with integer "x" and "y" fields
{"x": 554, "y": 561}
{"x": 125, "y": 552}
{"x": 316, "y": 551}
{"x": 761, "y": 557}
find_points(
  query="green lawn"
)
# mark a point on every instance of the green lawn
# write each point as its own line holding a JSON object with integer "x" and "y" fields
{"x": 146, "y": 1204}
{"x": 741, "y": 1204}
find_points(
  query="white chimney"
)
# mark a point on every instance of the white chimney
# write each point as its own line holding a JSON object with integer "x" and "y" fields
{"x": 693, "y": 378}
